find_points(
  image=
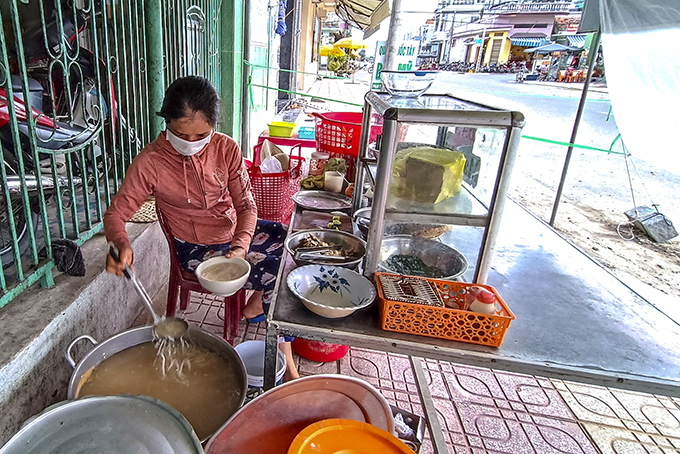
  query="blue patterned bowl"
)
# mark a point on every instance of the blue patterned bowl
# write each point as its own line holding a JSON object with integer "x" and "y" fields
{"x": 331, "y": 291}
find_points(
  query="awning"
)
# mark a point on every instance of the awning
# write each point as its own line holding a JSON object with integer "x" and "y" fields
{"x": 528, "y": 42}
{"x": 576, "y": 40}
{"x": 363, "y": 14}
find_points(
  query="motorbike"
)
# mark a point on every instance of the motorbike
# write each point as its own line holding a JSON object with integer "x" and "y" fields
{"x": 65, "y": 115}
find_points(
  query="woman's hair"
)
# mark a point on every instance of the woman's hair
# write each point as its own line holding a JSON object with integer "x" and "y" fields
{"x": 188, "y": 95}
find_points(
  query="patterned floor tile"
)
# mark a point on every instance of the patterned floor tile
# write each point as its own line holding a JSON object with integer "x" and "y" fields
{"x": 484, "y": 411}
{"x": 615, "y": 440}
{"x": 624, "y": 409}
{"x": 505, "y": 431}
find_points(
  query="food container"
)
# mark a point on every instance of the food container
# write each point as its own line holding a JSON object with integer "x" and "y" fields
{"x": 435, "y": 254}
{"x": 223, "y": 287}
{"x": 137, "y": 336}
{"x": 101, "y": 424}
{"x": 362, "y": 218}
{"x": 332, "y": 436}
{"x": 317, "y": 164}
{"x": 443, "y": 322}
{"x": 252, "y": 354}
{"x": 331, "y": 292}
{"x": 281, "y": 129}
{"x": 346, "y": 241}
{"x": 306, "y": 132}
{"x": 407, "y": 84}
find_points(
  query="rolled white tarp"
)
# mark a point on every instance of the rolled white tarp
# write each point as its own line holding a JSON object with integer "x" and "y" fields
{"x": 641, "y": 48}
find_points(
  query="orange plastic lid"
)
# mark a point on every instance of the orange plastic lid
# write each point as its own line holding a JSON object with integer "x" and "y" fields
{"x": 344, "y": 436}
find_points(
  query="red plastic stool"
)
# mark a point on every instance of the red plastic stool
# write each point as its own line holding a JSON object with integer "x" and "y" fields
{"x": 182, "y": 283}
{"x": 319, "y": 351}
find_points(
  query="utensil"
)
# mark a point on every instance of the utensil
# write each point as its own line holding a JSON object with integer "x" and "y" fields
{"x": 125, "y": 423}
{"x": 322, "y": 201}
{"x": 227, "y": 287}
{"x": 332, "y": 436}
{"x": 433, "y": 253}
{"x": 107, "y": 348}
{"x": 269, "y": 423}
{"x": 331, "y": 292}
{"x": 337, "y": 238}
{"x": 163, "y": 327}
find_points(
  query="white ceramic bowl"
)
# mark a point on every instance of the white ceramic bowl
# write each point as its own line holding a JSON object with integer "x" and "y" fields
{"x": 331, "y": 291}
{"x": 223, "y": 288}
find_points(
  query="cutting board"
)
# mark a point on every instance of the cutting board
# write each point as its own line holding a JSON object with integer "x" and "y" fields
{"x": 316, "y": 219}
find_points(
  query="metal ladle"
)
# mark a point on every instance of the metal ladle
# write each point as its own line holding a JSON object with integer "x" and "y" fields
{"x": 163, "y": 327}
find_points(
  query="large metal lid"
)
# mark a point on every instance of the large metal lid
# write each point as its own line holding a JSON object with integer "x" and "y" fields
{"x": 116, "y": 424}
{"x": 270, "y": 422}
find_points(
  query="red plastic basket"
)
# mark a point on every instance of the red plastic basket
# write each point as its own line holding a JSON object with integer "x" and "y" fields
{"x": 273, "y": 192}
{"x": 377, "y": 127}
{"x": 338, "y": 134}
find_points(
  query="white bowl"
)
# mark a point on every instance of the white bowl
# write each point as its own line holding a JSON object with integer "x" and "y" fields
{"x": 331, "y": 291}
{"x": 223, "y": 287}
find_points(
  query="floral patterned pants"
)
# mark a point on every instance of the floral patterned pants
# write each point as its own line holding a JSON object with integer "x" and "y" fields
{"x": 264, "y": 256}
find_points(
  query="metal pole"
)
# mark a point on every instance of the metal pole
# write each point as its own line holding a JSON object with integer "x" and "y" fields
{"x": 393, "y": 36}
{"x": 481, "y": 49}
{"x": 245, "y": 92}
{"x": 154, "y": 63}
{"x": 592, "y": 54}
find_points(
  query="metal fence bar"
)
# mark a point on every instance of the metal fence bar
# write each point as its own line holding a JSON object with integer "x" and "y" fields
{"x": 71, "y": 140}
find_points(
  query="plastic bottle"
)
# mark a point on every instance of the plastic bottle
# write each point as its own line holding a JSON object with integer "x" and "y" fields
{"x": 484, "y": 302}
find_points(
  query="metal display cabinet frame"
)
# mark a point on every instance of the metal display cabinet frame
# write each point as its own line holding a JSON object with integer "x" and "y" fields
{"x": 396, "y": 111}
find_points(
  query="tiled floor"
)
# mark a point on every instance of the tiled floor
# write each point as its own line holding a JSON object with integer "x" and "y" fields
{"x": 490, "y": 411}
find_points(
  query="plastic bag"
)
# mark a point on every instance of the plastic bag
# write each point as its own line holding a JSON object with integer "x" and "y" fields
{"x": 270, "y": 149}
{"x": 271, "y": 165}
{"x": 427, "y": 174}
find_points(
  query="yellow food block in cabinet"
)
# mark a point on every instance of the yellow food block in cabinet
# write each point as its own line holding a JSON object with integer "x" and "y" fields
{"x": 427, "y": 174}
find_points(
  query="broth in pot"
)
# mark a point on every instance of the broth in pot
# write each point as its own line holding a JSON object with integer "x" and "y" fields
{"x": 205, "y": 390}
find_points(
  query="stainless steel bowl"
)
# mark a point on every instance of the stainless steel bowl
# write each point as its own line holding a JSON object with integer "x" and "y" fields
{"x": 362, "y": 218}
{"x": 432, "y": 252}
{"x": 346, "y": 240}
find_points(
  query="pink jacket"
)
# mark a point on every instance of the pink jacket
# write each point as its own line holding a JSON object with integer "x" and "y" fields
{"x": 206, "y": 197}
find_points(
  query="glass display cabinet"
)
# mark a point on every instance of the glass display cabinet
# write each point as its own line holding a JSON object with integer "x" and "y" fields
{"x": 434, "y": 171}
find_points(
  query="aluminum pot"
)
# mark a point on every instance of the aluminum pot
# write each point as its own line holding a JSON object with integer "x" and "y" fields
{"x": 129, "y": 424}
{"x": 119, "y": 342}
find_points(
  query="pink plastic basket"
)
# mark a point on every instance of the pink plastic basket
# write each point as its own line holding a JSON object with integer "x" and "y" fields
{"x": 273, "y": 192}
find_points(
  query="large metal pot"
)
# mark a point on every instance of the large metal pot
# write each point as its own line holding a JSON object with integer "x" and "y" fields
{"x": 129, "y": 424}
{"x": 137, "y": 336}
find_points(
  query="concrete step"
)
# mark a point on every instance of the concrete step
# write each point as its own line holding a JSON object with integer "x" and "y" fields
{"x": 38, "y": 326}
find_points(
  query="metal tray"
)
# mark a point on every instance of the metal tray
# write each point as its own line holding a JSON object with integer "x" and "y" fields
{"x": 322, "y": 201}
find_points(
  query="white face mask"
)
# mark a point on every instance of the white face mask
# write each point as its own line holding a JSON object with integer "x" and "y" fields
{"x": 184, "y": 147}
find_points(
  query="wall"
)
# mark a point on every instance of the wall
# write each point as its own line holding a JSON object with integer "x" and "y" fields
{"x": 305, "y": 63}
{"x": 39, "y": 325}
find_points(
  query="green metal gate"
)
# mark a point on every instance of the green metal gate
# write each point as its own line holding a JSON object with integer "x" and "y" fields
{"x": 81, "y": 68}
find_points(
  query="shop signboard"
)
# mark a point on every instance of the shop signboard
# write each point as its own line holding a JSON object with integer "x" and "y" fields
{"x": 407, "y": 52}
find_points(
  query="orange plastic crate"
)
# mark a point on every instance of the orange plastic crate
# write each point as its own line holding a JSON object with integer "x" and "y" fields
{"x": 444, "y": 322}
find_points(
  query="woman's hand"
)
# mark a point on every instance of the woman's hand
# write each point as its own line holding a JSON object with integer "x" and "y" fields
{"x": 126, "y": 257}
{"x": 236, "y": 252}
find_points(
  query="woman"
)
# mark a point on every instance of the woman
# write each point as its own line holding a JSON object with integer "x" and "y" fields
{"x": 202, "y": 187}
